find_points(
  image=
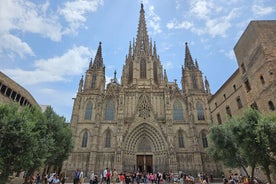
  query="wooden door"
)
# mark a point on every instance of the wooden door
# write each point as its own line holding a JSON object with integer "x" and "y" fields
{"x": 144, "y": 162}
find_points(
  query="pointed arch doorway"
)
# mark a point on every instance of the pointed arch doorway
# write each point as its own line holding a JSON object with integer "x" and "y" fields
{"x": 144, "y": 157}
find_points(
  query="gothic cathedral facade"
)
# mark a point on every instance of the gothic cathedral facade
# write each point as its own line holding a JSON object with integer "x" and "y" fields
{"x": 145, "y": 122}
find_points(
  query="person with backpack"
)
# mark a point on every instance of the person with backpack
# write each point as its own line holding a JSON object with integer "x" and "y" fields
{"x": 77, "y": 176}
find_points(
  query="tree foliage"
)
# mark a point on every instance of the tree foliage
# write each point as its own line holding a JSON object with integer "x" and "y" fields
{"x": 27, "y": 141}
{"x": 245, "y": 141}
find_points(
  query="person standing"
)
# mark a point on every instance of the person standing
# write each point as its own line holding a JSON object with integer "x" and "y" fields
{"x": 122, "y": 178}
{"x": 91, "y": 177}
{"x": 38, "y": 178}
{"x": 181, "y": 179}
{"x": 81, "y": 177}
{"x": 104, "y": 175}
{"x": 108, "y": 176}
{"x": 114, "y": 176}
{"x": 77, "y": 176}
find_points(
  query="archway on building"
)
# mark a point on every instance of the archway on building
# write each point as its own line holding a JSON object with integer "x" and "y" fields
{"x": 145, "y": 149}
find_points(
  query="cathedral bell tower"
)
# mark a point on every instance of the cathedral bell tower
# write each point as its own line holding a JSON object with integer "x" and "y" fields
{"x": 95, "y": 75}
{"x": 191, "y": 75}
{"x": 142, "y": 66}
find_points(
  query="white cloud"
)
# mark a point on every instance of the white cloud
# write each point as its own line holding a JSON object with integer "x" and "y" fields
{"x": 24, "y": 16}
{"x": 201, "y": 8}
{"x": 14, "y": 44}
{"x": 168, "y": 65}
{"x": 261, "y": 10}
{"x": 74, "y": 12}
{"x": 179, "y": 25}
{"x": 154, "y": 21}
{"x": 54, "y": 69}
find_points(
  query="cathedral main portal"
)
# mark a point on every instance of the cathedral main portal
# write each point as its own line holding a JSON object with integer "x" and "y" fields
{"x": 144, "y": 163}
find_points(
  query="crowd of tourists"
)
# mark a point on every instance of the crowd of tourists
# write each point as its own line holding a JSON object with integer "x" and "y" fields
{"x": 109, "y": 176}
{"x": 238, "y": 179}
{"x": 52, "y": 178}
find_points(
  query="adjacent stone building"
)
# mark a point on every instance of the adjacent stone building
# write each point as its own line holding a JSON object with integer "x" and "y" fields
{"x": 10, "y": 91}
{"x": 253, "y": 84}
{"x": 145, "y": 122}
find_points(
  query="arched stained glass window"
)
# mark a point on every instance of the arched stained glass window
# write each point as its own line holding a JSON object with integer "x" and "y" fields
{"x": 194, "y": 82}
{"x": 130, "y": 73}
{"x": 155, "y": 72}
{"x": 180, "y": 139}
{"x": 204, "y": 140}
{"x": 109, "y": 110}
{"x": 200, "y": 111}
{"x": 177, "y": 111}
{"x": 88, "y": 111}
{"x": 84, "y": 139}
{"x": 143, "y": 69}
{"x": 93, "y": 84}
{"x": 107, "y": 139}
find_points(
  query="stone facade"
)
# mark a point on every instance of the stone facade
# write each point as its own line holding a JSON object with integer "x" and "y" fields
{"x": 253, "y": 84}
{"x": 144, "y": 123}
{"x": 10, "y": 91}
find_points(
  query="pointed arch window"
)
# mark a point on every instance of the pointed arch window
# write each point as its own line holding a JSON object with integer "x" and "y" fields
{"x": 93, "y": 84}
{"x": 262, "y": 80}
{"x": 239, "y": 102}
{"x": 180, "y": 139}
{"x": 107, "y": 139}
{"x": 194, "y": 82}
{"x": 177, "y": 111}
{"x": 109, "y": 110}
{"x": 200, "y": 111}
{"x": 84, "y": 139}
{"x": 88, "y": 111}
{"x": 130, "y": 73}
{"x": 204, "y": 140}
{"x": 155, "y": 72}
{"x": 228, "y": 111}
{"x": 143, "y": 69}
{"x": 271, "y": 106}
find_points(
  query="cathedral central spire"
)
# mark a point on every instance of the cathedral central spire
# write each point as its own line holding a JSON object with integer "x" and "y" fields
{"x": 142, "y": 39}
{"x": 188, "y": 57}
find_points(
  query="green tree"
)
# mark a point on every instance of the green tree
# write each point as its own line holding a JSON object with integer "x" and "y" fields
{"x": 30, "y": 139}
{"x": 20, "y": 143}
{"x": 266, "y": 133}
{"x": 62, "y": 137}
{"x": 252, "y": 137}
{"x": 224, "y": 147}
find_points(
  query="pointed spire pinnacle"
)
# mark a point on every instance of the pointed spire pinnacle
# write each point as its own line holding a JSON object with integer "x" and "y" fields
{"x": 196, "y": 63}
{"x": 80, "y": 84}
{"x": 114, "y": 80}
{"x": 115, "y": 74}
{"x": 165, "y": 75}
{"x": 98, "y": 62}
{"x": 90, "y": 63}
{"x": 188, "y": 58}
{"x": 142, "y": 39}
{"x": 207, "y": 86}
{"x": 154, "y": 50}
{"x": 130, "y": 50}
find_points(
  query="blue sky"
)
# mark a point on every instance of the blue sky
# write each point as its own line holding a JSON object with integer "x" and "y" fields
{"x": 46, "y": 45}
